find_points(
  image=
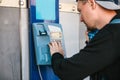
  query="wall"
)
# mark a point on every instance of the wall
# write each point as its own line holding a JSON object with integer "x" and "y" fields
{"x": 74, "y": 30}
{"x": 9, "y": 44}
{"x": 14, "y": 53}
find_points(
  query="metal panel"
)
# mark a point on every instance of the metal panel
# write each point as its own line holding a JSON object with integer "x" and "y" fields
{"x": 73, "y": 32}
{"x": 68, "y": 7}
{"x": 14, "y": 3}
{"x": 9, "y": 44}
{"x": 24, "y": 43}
{"x": 70, "y": 24}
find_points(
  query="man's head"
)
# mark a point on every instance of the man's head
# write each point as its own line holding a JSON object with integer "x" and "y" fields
{"x": 92, "y": 10}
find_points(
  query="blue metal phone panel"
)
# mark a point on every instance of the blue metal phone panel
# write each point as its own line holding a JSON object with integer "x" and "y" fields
{"x": 46, "y": 70}
{"x": 42, "y": 37}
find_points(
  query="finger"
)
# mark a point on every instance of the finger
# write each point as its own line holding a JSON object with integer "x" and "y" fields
{"x": 59, "y": 44}
{"x": 50, "y": 44}
{"x": 54, "y": 43}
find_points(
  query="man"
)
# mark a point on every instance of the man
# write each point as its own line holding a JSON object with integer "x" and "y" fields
{"x": 100, "y": 58}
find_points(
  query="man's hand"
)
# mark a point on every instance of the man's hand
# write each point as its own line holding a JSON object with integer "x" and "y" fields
{"x": 86, "y": 35}
{"x": 56, "y": 47}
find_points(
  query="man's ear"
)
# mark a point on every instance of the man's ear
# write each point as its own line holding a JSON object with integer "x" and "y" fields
{"x": 92, "y": 3}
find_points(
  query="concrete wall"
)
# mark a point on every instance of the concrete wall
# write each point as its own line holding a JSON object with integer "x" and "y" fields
{"x": 9, "y": 44}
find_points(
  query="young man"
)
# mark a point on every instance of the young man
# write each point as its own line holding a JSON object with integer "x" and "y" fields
{"x": 100, "y": 58}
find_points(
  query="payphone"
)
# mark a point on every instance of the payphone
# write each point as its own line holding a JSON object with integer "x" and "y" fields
{"x": 43, "y": 34}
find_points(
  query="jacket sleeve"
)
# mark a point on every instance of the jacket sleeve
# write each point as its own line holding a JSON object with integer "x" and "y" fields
{"x": 98, "y": 54}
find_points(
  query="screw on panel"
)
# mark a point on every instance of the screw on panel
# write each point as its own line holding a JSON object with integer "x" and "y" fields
{"x": 73, "y": 8}
{"x": 21, "y": 3}
{"x": 60, "y": 6}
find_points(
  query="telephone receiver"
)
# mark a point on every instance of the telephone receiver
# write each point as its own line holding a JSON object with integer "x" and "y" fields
{"x": 92, "y": 33}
